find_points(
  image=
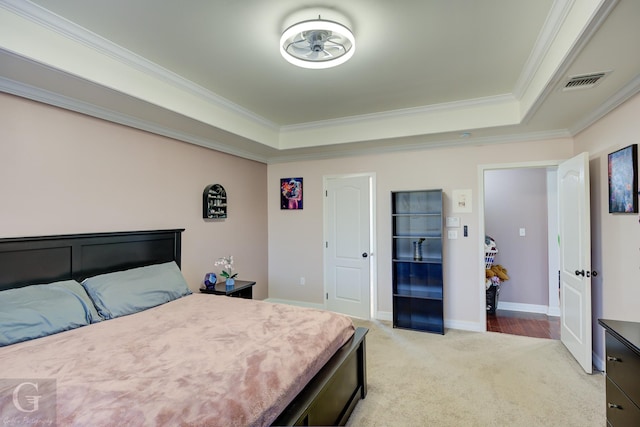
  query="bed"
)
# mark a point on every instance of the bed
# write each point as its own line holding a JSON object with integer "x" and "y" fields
{"x": 188, "y": 361}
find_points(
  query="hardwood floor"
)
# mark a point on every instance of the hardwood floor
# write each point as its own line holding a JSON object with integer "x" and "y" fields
{"x": 527, "y": 324}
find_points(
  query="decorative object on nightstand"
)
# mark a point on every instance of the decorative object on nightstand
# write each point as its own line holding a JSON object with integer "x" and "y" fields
{"x": 214, "y": 202}
{"x": 210, "y": 280}
{"x": 227, "y": 269}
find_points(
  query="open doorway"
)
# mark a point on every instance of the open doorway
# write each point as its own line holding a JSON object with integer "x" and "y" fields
{"x": 520, "y": 221}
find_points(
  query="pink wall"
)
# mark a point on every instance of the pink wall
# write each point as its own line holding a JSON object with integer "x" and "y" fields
{"x": 514, "y": 199}
{"x": 292, "y": 255}
{"x": 63, "y": 172}
{"x": 615, "y": 237}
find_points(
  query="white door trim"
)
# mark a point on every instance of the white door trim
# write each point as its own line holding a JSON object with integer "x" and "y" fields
{"x": 481, "y": 219}
{"x": 373, "y": 256}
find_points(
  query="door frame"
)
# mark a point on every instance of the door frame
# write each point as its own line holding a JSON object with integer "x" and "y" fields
{"x": 373, "y": 258}
{"x": 481, "y": 220}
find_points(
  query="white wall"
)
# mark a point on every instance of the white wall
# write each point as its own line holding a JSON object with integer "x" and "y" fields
{"x": 295, "y": 237}
{"x": 63, "y": 172}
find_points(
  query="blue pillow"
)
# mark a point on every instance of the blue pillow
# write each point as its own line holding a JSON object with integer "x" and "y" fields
{"x": 78, "y": 291}
{"x": 127, "y": 292}
{"x": 40, "y": 310}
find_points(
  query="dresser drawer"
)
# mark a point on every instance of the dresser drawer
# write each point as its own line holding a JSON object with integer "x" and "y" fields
{"x": 623, "y": 368}
{"x": 620, "y": 411}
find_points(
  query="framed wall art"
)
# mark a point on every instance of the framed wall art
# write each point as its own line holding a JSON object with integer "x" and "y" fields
{"x": 291, "y": 193}
{"x": 214, "y": 202}
{"x": 462, "y": 201}
{"x": 623, "y": 180}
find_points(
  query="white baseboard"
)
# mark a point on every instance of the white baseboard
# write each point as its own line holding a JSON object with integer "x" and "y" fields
{"x": 529, "y": 308}
{"x": 451, "y": 324}
{"x": 384, "y": 315}
{"x": 553, "y": 311}
{"x": 465, "y": 326}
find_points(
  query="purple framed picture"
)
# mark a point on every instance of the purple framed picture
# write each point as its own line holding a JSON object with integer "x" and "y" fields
{"x": 290, "y": 193}
{"x": 623, "y": 180}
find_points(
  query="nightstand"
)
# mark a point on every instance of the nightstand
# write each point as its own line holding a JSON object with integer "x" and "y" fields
{"x": 241, "y": 289}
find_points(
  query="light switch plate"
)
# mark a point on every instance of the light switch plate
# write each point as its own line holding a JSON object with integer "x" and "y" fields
{"x": 523, "y": 232}
{"x": 453, "y": 221}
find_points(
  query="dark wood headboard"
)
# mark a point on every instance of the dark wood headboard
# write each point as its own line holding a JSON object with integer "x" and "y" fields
{"x": 35, "y": 260}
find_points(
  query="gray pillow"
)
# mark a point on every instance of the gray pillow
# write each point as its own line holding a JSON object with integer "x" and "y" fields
{"x": 40, "y": 310}
{"x": 78, "y": 290}
{"x": 127, "y": 292}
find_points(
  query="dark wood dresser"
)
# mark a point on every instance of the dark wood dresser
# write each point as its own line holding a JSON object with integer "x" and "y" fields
{"x": 623, "y": 372}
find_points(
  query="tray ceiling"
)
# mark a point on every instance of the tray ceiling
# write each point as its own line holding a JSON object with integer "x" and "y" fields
{"x": 425, "y": 72}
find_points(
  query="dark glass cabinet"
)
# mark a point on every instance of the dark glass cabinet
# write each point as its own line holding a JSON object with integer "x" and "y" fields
{"x": 417, "y": 226}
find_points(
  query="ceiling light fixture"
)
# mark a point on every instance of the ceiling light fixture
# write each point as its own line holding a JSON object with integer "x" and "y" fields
{"x": 317, "y": 43}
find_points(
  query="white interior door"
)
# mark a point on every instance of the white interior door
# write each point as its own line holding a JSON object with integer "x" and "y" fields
{"x": 575, "y": 258}
{"x": 348, "y": 245}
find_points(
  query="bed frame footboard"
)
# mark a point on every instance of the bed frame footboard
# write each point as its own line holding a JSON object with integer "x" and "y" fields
{"x": 334, "y": 392}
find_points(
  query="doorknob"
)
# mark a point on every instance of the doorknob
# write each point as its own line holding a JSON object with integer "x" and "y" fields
{"x": 586, "y": 273}
{"x": 364, "y": 254}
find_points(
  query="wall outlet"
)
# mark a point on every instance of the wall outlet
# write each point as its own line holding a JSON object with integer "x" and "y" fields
{"x": 302, "y": 281}
{"x": 452, "y": 234}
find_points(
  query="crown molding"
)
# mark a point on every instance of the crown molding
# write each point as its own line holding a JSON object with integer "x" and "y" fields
{"x": 594, "y": 24}
{"x": 419, "y": 146}
{"x": 37, "y": 94}
{"x": 404, "y": 112}
{"x": 67, "y": 103}
{"x": 557, "y": 15}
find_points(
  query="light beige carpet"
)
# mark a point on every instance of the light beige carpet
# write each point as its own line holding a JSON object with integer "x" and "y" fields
{"x": 474, "y": 379}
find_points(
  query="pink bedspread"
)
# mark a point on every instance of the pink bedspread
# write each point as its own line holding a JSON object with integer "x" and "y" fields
{"x": 202, "y": 360}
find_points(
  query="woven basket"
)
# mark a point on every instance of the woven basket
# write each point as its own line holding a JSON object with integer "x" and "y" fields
{"x": 488, "y": 258}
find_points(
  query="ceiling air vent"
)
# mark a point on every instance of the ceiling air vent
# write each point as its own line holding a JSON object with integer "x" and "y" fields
{"x": 584, "y": 81}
